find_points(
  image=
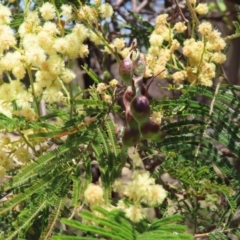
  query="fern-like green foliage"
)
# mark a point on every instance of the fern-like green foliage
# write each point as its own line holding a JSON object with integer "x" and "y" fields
{"x": 40, "y": 190}
{"x": 51, "y": 187}
{"x": 115, "y": 226}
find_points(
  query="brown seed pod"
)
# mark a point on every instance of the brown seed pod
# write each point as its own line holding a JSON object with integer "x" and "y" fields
{"x": 140, "y": 109}
{"x": 151, "y": 130}
{"x": 131, "y": 136}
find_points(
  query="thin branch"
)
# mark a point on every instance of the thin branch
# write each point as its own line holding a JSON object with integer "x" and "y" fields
{"x": 193, "y": 13}
{"x": 180, "y": 11}
{"x": 141, "y": 6}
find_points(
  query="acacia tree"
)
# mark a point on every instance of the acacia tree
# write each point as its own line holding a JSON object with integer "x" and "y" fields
{"x": 70, "y": 159}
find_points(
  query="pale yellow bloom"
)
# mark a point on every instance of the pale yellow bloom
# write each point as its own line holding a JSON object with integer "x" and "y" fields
{"x": 67, "y": 75}
{"x": 106, "y": 10}
{"x": 180, "y": 27}
{"x": 179, "y": 76}
{"x": 94, "y": 194}
{"x": 22, "y": 154}
{"x": 205, "y": 28}
{"x": 67, "y": 11}
{"x": 81, "y": 32}
{"x": 218, "y": 57}
{"x": 7, "y": 38}
{"x": 161, "y": 19}
{"x": 156, "y": 195}
{"x": 5, "y": 15}
{"x": 24, "y": 99}
{"x": 47, "y": 11}
{"x": 119, "y": 43}
{"x": 156, "y": 39}
{"x": 135, "y": 213}
{"x": 113, "y": 83}
{"x": 83, "y": 51}
{"x": 101, "y": 88}
{"x": 202, "y": 9}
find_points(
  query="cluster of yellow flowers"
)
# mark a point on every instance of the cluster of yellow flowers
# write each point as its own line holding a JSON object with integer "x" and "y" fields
{"x": 141, "y": 189}
{"x": 199, "y": 56}
{"x": 41, "y": 50}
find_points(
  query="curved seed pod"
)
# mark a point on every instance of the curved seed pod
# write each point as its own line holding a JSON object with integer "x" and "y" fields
{"x": 140, "y": 109}
{"x": 151, "y": 131}
{"x": 131, "y": 137}
{"x": 126, "y": 69}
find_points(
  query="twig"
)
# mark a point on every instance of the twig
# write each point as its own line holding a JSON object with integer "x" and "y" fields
{"x": 193, "y": 14}
{"x": 141, "y": 6}
{"x": 180, "y": 11}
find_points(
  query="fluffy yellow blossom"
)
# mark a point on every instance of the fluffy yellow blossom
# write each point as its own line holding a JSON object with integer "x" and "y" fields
{"x": 174, "y": 46}
{"x": 81, "y": 32}
{"x": 94, "y": 195}
{"x": 29, "y": 114}
{"x": 50, "y": 28}
{"x": 202, "y": 9}
{"x": 67, "y": 75}
{"x": 19, "y": 71}
{"x": 22, "y": 154}
{"x": 118, "y": 186}
{"x": 122, "y": 205}
{"x": 107, "y": 98}
{"x": 67, "y": 11}
{"x": 135, "y": 213}
{"x": 73, "y": 45}
{"x": 24, "y": 99}
{"x": 44, "y": 78}
{"x": 218, "y": 57}
{"x": 106, "y": 10}
{"x": 52, "y": 95}
{"x": 47, "y": 11}
{"x": 61, "y": 45}
{"x": 4, "y": 140}
{"x": 154, "y": 51}
{"x": 119, "y": 43}
{"x": 6, "y": 161}
{"x": 156, "y": 39}
{"x": 54, "y": 65}
{"x": 94, "y": 38}
{"x": 101, "y": 88}
{"x": 83, "y": 51}
{"x": 156, "y": 195}
{"x": 156, "y": 116}
{"x": 5, "y": 15}
{"x": 35, "y": 56}
{"x": 180, "y": 27}
{"x": 87, "y": 13}
{"x": 179, "y": 76}
{"x": 6, "y": 92}
{"x": 7, "y": 38}
{"x": 2, "y": 172}
{"x": 113, "y": 83}
{"x": 161, "y": 19}
{"x": 205, "y": 28}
